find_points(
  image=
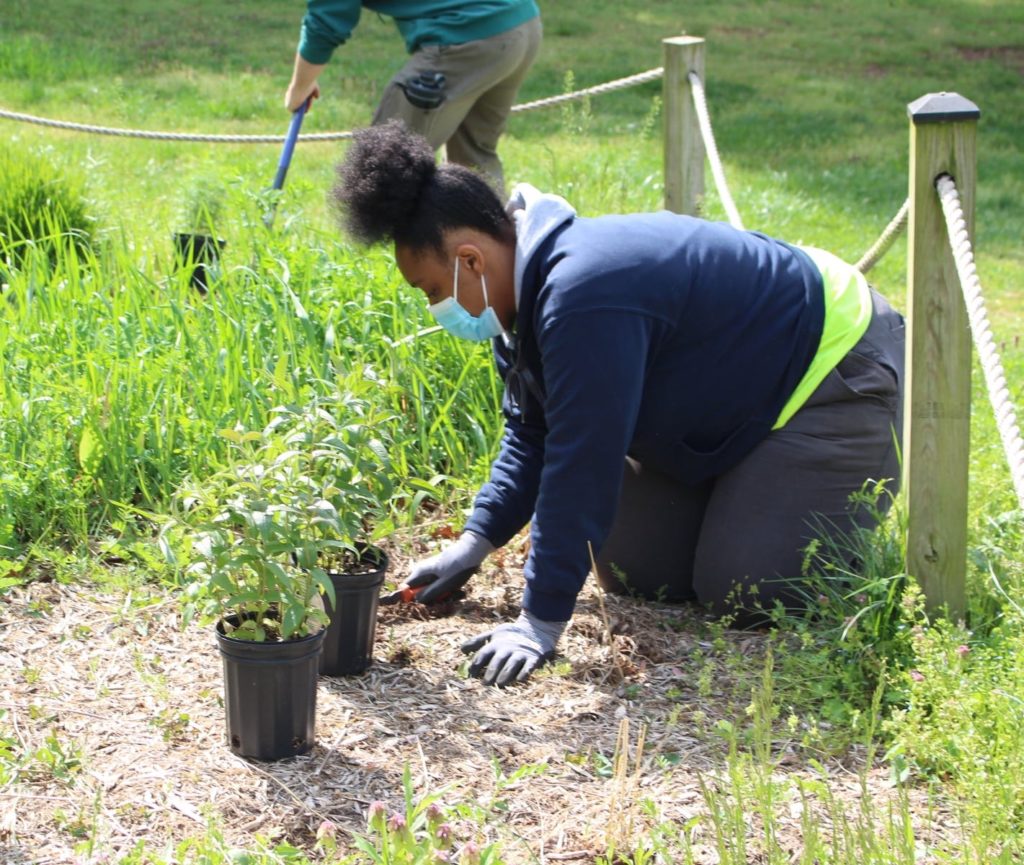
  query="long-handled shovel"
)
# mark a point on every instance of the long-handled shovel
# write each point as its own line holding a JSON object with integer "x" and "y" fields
{"x": 286, "y": 157}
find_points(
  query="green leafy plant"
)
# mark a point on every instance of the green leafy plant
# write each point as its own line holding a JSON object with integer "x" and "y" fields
{"x": 203, "y": 205}
{"x": 860, "y": 612}
{"x": 257, "y": 536}
{"x": 964, "y": 722}
{"x": 346, "y": 463}
{"x": 39, "y": 208}
{"x": 420, "y": 834}
{"x": 9, "y": 752}
{"x": 55, "y": 759}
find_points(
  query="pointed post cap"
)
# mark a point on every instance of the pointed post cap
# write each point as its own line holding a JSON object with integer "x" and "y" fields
{"x": 942, "y": 108}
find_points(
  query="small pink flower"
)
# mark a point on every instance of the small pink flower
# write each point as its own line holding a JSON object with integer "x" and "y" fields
{"x": 963, "y": 650}
{"x": 375, "y": 815}
{"x": 327, "y": 829}
{"x": 434, "y": 814}
{"x": 823, "y": 600}
{"x": 396, "y": 823}
{"x": 917, "y": 675}
{"x": 444, "y": 835}
{"x": 470, "y": 854}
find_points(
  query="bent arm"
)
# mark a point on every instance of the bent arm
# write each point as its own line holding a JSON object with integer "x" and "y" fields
{"x": 326, "y": 25}
{"x": 506, "y": 502}
{"x": 594, "y": 365}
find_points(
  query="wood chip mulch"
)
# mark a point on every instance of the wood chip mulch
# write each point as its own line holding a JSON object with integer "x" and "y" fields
{"x": 116, "y": 712}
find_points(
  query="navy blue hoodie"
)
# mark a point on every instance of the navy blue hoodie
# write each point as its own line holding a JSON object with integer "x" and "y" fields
{"x": 666, "y": 338}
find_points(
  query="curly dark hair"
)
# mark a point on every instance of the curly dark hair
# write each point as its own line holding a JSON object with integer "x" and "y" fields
{"x": 389, "y": 187}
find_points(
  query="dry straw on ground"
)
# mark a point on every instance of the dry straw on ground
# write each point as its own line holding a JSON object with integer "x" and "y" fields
{"x": 135, "y": 702}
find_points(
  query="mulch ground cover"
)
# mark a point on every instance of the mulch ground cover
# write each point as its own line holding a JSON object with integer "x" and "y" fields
{"x": 114, "y": 713}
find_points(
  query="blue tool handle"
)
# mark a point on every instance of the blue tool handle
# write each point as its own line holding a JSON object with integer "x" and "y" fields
{"x": 289, "y": 144}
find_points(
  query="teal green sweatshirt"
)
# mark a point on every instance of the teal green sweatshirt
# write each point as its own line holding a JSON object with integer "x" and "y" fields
{"x": 329, "y": 23}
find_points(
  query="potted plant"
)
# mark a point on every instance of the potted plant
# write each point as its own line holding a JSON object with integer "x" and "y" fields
{"x": 198, "y": 246}
{"x": 350, "y": 472}
{"x": 254, "y": 538}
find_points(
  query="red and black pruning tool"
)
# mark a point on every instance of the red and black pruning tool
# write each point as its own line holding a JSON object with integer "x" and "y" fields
{"x": 401, "y": 595}
{"x": 407, "y": 595}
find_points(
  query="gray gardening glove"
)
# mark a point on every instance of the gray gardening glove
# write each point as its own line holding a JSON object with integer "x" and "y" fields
{"x": 514, "y": 650}
{"x": 450, "y": 569}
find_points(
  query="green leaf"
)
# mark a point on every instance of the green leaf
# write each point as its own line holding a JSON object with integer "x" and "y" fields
{"x": 300, "y": 310}
{"x": 231, "y": 435}
{"x": 294, "y": 615}
{"x": 326, "y": 585}
{"x": 90, "y": 450}
{"x": 278, "y": 572}
{"x": 9, "y": 582}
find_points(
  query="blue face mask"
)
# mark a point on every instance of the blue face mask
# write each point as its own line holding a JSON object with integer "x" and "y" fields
{"x": 455, "y": 319}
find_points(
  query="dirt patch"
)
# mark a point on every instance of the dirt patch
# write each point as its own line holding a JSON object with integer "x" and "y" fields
{"x": 1011, "y": 56}
{"x": 134, "y": 702}
{"x": 742, "y": 32}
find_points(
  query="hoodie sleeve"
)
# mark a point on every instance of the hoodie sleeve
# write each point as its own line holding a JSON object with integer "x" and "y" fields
{"x": 327, "y": 24}
{"x": 506, "y": 502}
{"x": 594, "y": 366}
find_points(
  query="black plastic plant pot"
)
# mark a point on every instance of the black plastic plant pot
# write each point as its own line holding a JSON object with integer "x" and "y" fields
{"x": 200, "y": 253}
{"x": 270, "y": 695}
{"x": 348, "y": 648}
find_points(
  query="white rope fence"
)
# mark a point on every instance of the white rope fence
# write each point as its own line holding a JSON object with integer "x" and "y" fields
{"x": 995, "y": 379}
{"x": 881, "y": 246}
{"x": 166, "y": 136}
{"x": 866, "y": 262}
{"x": 597, "y": 90}
{"x": 700, "y": 103}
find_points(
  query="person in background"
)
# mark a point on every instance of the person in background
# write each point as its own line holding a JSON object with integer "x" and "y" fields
{"x": 467, "y": 61}
{"x": 692, "y": 402}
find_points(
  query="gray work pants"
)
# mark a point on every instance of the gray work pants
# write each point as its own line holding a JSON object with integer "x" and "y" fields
{"x": 482, "y": 79}
{"x": 744, "y": 532}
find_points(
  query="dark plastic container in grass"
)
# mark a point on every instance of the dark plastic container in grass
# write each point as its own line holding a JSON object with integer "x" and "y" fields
{"x": 200, "y": 254}
{"x": 270, "y": 695}
{"x": 348, "y": 647}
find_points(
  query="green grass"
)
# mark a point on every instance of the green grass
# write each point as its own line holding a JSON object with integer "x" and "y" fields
{"x": 115, "y": 376}
{"x": 131, "y": 374}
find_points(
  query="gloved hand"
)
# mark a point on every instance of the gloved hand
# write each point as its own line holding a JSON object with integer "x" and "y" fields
{"x": 450, "y": 569}
{"x": 514, "y": 650}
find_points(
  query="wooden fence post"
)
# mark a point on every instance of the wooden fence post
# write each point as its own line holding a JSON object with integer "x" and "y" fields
{"x": 936, "y": 430}
{"x": 684, "y": 146}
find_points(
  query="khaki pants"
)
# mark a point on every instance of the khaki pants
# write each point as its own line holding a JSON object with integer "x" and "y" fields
{"x": 716, "y": 541}
{"x": 482, "y": 80}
